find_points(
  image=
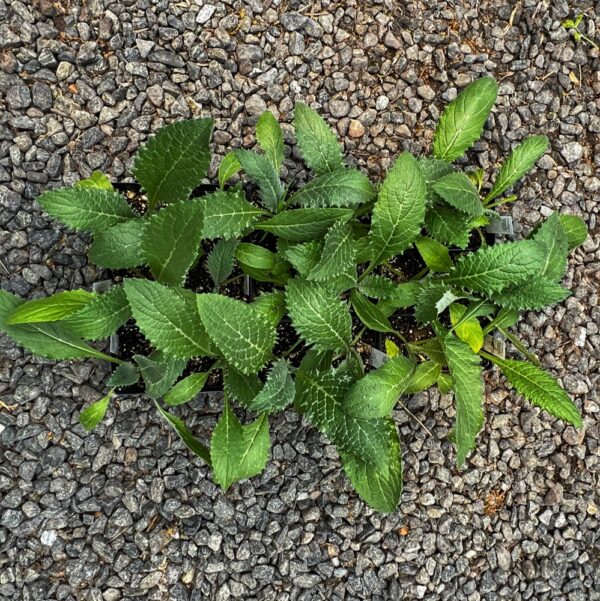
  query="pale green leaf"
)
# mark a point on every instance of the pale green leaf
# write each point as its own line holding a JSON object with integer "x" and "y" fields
{"x": 462, "y": 121}
{"x": 435, "y": 255}
{"x": 174, "y": 161}
{"x": 119, "y": 246}
{"x": 299, "y": 225}
{"x": 424, "y": 377}
{"x": 469, "y": 329}
{"x": 51, "y": 308}
{"x": 228, "y": 168}
{"x": 270, "y": 138}
{"x": 552, "y": 233}
{"x": 255, "y": 256}
{"x": 185, "y": 390}
{"x": 575, "y": 228}
{"x": 91, "y": 416}
{"x": 96, "y": 180}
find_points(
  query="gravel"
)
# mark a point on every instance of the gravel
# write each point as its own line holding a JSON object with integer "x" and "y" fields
{"x": 124, "y": 511}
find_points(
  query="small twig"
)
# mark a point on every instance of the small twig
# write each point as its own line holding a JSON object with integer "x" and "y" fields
{"x": 417, "y": 419}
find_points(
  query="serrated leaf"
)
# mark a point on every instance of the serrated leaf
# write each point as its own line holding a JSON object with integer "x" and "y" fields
{"x": 170, "y": 241}
{"x": 397, "y": 295}
{"x": 462, "y": 121}
{"x": 102, "y": 317}
{"x": 448, "y": 226}
{"x": 299, "y": 225}
{"x": 540, "y": 389}
{"x": 433, "y": 169}
{"x": 168, "y": 318}
{"x": 435, "y": 255}
{"x": 399, "y": 210}
{"x": 342, "y": 188}
{"x": 432, "y": 347}
{"x": 239, "y": 330}
{"x": 185, "y": 435}
{"x": 88, "y": 209}
{"x": 237, "y": 451}
{"x": 51, "y": 308}
{"x": 50, "y": 340}
{"x": 318, "y": 145}
{"x": 376, "y": 394}
{"x": 531, "y": 295}
{"x": 457, "y": 190}
{"x": 304, "y": 257}
{"x": 185, "y": 390}
{"x": 337, "y": 256}
{"x": 255, "y": 256}
{"x": 174, "y": 161}
{"x": 159, "y": 372}
{"x": 227, "y": 214}
{"x": 465, "y": 370}
{"x": 119, "y": 246}
{"x": 369, "y": 313}
{"x": 97, "y": 180}
{"x": 220, "y": 260}
{"x": 469, "y": 329}
{"x": 241, "y": 387}
{"x": 320, "y": 397}
{"x": 91, "y": 416}
{"x": 519, "y": 162}
{"x": 270, "y": 138}
{"x": 262, "y": 172}
{"x": 553, "y": 235}
{"x": 495, "y": 268}
{"x": 433, "y": 299}
{"x": 228, "y": 167}
{"x": 278, "y": 392}
{"x": 381, "y": 487}
{"x": 575, "y": 229}
{"x": 318, "y": 315}
{"x": 271, "y": 305}
{"x": 424, "y": 377}
{"x": 126, "y": 374}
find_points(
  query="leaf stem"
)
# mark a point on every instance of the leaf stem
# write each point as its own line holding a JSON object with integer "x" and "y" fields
{"x": 520, "y": 346}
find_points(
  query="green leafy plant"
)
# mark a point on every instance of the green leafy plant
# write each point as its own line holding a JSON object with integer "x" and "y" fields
{"x": 338, "y": 264}
{"x": 573, "y": 26}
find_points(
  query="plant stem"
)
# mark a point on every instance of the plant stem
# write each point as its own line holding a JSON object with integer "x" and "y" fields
{"x": 292, "y": 348}
{"x": 233, "y": 279}
{"x": 394, "y": 270}
{"x": 520, "y": 346}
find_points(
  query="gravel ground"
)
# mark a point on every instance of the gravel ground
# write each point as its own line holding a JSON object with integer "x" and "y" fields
{"x": 125, "y": 512}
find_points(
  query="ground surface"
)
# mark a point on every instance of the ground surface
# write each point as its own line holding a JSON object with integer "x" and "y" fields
{"x": 125, "y": 512}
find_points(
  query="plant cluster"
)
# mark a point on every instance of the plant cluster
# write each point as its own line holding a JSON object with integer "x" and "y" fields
{"x": 329, "y": 261}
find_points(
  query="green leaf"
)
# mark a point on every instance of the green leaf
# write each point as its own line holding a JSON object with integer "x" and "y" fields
{"x": 553, "y": 235}
{"x": 520, "y": 161}
{"x": 185, "y": 390}
{"x": 458, "y": 191}
{"x": 278, "y": 392}
{"x": 97, "y": 180}
{"x": 424, "y": 377}
{"x": 468, "y": 394}
{"x": 271, "y": 305}
{"x": 539, "y": 388}
{"x": 270, "y": 138}
{"x": 337, "y": 257}
{"x": 318, "y": 315}
{"x": 531, "y": 295}
{"x": 462, "y": 121}
{"x": 399, "y": 211}
{"x": 369, "y": 313}
{"x": 342, "y": 188}
{"x": 228, "y": 214}
{"x": 448, "y": 226}
{"x": 431, "y": 347}
{"x": 126, "y": 374}
{"x": 171, "y": 241}
{"x": 119, "y": 246}
{"x": 575, "y": 228}
{"x": 320, "y": 397}
{"x": 262, "y": 172}
{"x": 239, "y": 330}
{"x": 397, "y": 295}
{"x": 228, "y": 168}
{"x": 51, "y": 308}
{"x": 186, "y": 436}
{"x": 379, "y": 487}
{"x": 91, "y": 416}
{"x": 50, "y": 340}
{"x": 444, "y": 383}
{"x": 241, "y": 387}
{"x": 220, "y": 260}
{"x": 237, "y": 451}
{"x": 377, "y": 393}
{"x": 159, "y": 372}
{"x": 433, "y": 299}
{"x": 433, "y": 169}
{"x": 255, "y": 256}
{"x": 318, "y": 144}
{"x": 435, "y": 255}
{"x": 304, "y": 257}
{"x": 102, "y": 317}
{"x": 88, "y": 209}
{"x": 299, "y": 225}
{"x": 469, "y": 329}
{"x": 494, "y": 268}
{"x": 168, "y": 318}
{"x": 174, "y": 161}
